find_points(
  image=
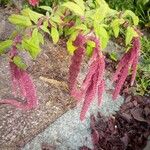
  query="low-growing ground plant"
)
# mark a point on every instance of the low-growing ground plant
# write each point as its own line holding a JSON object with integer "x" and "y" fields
{"x": 140, "y": 7}
{"x": 88, "y": 26}
{"x": 143, "y": 74}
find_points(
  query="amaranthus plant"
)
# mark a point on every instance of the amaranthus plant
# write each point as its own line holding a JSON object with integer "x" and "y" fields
{"x": 88, "y": 26}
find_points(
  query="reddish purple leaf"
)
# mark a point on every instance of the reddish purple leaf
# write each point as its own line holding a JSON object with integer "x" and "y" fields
{"x": 128, "y": 61}
{"x": 90, "y": 94}
{"x": 74, "y": 68}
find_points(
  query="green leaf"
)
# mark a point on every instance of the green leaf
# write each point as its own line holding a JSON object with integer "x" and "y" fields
{"x": 102, "y": 34}
{"x": 34, "y": 16}
{"x": 56, "y": 19}
{"x": 89, "y": 50}
{"x": 19, "y": 62}
{"x": 41, "y": 38}
{"x": 100, "y": 14}
{"x": 32, "y": 45}
{"x": 132, "y": 15}
{"x": 81, "y": 27}
{"x": 74, "y": 7}
{"x": 113, "y": 56}
{"x": 101, "y": 2}
{"x": 52, "y": 23}
{"x": 70, "y": 31}
{"x": 91, "y": 43}
{"x": 70, "y": 47}
{"x": 130, "y": 33}
{"x": 115, "y": 26}
{"x": 32, "y": 48}
{"x": 80, "y": 3}
{"x": 47, "y": 8}
{"x": 73, "y": 36}
{"x": 54, "y": 35}
{"x": 4, "y": 45}
{"x": 20, "y": 20}
{"x": 44, "y": 27}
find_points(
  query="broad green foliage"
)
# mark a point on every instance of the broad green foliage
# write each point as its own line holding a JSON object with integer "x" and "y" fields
{"x": 69, "y": 19}
{"x": 143, "y": 74}
{"x": 140, "y": 7}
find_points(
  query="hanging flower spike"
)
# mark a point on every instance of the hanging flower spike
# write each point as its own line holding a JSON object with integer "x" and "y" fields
{"x": 93, "y": 80}
{"x": 129, "y": 60}
{"x": 89, "y": 95}
{"x": 26, "y": 87}
{"x": 15, "y": 78}
{"x": 101, "y": 89}
{"x": 22, "y": 82}
{"x": 31, "y": 97}
{"x": 33, "y": 2}
{"x": 74, "y": 68}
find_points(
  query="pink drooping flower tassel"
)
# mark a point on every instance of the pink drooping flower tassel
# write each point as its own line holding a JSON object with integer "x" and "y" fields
{"x": 75, "y": 66}
{"x": 129, "y": 60}
{"x": 101, "y": 89}
{"x": 94, "y": 77}
{"x": 22, "y": 81}
{"x": 33, "y": 2}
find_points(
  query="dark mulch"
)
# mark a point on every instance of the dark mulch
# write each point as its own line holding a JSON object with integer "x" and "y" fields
{"x": 128, "y": 129}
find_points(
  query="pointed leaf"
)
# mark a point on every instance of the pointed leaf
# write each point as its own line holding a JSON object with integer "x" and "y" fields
{"x": 132, "y": 15}
{"x": 33, "y": 44}
{"x": 20, "y": 20}
{"x": 19, "y": 62}
{"x": 102, "y": 34}
{"x": 47, "y": 8}
{"x": 130, "y": 33}
{"x": 45, "y": 29}
{"x": 41, "y": 38}
{"x": 56, "y": 19}
{"x": 80, "y": 3}
{"x": 4, "y": 45}
{"x": 81, "y": 27}
{"x": 54, "y": 35}
{"x": 34, "y": 16}
{"x": 70, "y": 47}
{"x": 74, "y": 7}
{"x": 115, "y": 26}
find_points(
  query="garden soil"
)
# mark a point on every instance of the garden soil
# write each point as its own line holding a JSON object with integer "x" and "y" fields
{"x": 49, "y": 73}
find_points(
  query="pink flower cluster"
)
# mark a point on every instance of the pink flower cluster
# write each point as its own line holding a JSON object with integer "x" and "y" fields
{"x": 21, "y": 81}
{"x": 93, "y": 81}
{"x": 33, "y": 2}
{"x": 129, "y": 60}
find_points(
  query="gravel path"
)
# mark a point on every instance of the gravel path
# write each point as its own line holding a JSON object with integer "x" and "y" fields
{"x": 68, "y": 132}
